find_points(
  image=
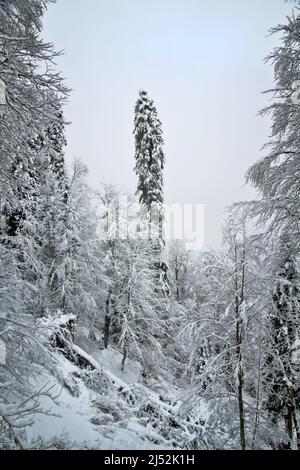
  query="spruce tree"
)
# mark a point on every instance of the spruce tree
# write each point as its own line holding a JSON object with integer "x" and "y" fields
{"x": 149, "y": 153}
{"x": 150, "y": 160}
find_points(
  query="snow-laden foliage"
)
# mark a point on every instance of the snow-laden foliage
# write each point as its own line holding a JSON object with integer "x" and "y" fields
{"x": 98, "y": 338}
{"x": 149, "y": 154}
{"x": 276, "y": 176}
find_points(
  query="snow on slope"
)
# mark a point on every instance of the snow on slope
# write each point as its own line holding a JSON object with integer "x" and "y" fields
{"x": 111, "y": 360}
{"x": 74, "y": 411}
{"x": 73, "y": 414}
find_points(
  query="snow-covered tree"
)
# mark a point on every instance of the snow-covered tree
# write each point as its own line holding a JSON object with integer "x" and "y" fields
{"x": 219, "y": 331}
{"x": 276, "y": 176}
{"x": 178, "y": 266}
{"x": 110, "y": 246}
{"x": 32, "y": 86}
{"x": 150, "y": 161}
{"x": 149, "y": 155}
{"x": 136, "y": 305}
{"x": 31, "y": 89}
{"x": 85, "y": 280}
{"x": 131, "y": 303}
{"x": 282, "y": 369}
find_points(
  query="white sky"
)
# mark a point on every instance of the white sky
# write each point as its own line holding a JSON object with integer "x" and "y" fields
{"x": 202, "y": 63}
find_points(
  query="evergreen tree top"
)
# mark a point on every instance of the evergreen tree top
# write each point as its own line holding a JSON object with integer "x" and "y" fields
{"x": 149, "y": 153}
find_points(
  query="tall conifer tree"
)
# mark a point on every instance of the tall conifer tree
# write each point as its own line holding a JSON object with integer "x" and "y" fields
{"x": 150, "y": 161}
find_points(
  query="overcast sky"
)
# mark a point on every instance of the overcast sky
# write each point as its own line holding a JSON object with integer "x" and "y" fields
{"x": 202, "y": 63}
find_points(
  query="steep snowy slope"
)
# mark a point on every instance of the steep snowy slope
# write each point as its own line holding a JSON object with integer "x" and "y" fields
{"x": 101, "y": 407}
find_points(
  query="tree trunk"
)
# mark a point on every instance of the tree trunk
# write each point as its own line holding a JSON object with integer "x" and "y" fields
{"x": 177, "y": 283}
{"x": 241, "y": 409}
{"x": 290, "y": 421}
{"x": 106, "y": 331}
{"x": 124, "y": 357}
{"x": 240, "y": 386}
{"x": 256, "y": 421}
{"x": 239, "y": 299}
{"x": 107, "y": 320}
{"x": 297, "y": 428}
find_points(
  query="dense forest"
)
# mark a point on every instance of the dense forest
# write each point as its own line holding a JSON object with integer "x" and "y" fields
{"x": 134, "y": 341}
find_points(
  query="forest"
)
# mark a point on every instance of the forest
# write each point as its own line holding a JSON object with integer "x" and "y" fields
{"x": 112, "y": 336}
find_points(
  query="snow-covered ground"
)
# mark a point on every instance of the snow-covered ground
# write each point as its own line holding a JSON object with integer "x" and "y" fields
{"x": 111, "y": 361}
{"x": 72, "y": 413}
{"x": 111, "y": 419}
